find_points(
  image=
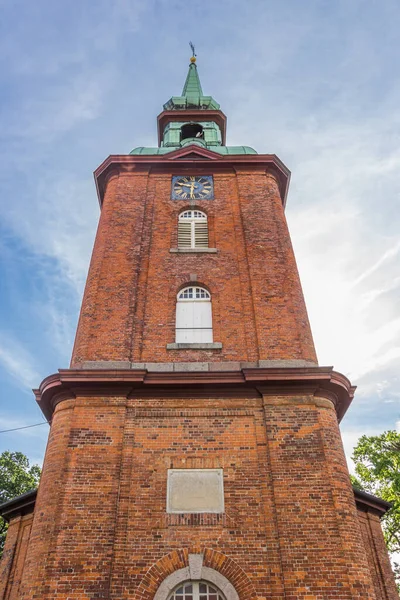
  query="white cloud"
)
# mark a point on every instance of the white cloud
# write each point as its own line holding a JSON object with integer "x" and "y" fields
{"x": 59, "y": 316}
{"x": 59, "y": 224}
{"x": 344, "y": 220}
{"x": 347, "y": 263}
{"x": 390, "y": 253}
{"x": 18, "y": 363}
{"x": 56, "y": 110}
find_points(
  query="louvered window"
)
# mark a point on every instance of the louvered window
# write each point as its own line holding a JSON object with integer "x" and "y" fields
{"x": 194, "y": 316}
{"x": 192, "y": 229}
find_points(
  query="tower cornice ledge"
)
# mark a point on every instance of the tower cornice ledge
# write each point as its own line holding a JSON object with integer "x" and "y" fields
{"x": 320, "y": 382}
{"x": 182, "y": 157}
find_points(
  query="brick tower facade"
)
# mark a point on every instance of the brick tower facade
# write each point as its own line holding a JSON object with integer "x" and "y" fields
{"x": 194, "y": 450}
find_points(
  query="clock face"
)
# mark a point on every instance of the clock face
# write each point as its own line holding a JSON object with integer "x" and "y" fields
{"x": 192, "y": 187}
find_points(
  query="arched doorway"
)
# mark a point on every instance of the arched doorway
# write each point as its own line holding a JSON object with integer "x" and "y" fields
{"x": 196, "y": 581}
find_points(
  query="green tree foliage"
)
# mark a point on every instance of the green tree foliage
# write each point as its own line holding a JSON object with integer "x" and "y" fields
{"x": 16, "y": 478}
{"x": 377, "y": 463}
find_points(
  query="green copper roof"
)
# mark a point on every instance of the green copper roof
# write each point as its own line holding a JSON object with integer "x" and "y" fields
{"x": 192, "y": 85}
{"x": 179, "y": 131}
{"x": 218, "y": 149}
{"x": 192, "y": 94}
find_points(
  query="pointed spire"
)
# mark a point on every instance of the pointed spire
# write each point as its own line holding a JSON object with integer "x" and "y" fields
{"x": 192, "y": 95}
{"x": 192, "y": 87}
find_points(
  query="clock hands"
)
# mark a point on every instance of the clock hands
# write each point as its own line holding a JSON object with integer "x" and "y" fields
{"x": 188, "y": 185}
{"x": 192, "y": 187}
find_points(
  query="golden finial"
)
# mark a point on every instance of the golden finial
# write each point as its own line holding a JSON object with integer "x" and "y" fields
{"x": 193, "y": 57}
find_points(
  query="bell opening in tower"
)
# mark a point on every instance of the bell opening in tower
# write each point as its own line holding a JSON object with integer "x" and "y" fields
{"x": 191, "y": 130}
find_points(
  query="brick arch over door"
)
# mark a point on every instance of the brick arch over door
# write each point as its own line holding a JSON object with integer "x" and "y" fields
{"x": 209, "y": 565}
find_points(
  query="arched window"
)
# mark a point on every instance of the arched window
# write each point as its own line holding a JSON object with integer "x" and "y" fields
{"x": 192, "y": 229}
{"x": 194, "y": 316}
{"x": 196, "y": 590}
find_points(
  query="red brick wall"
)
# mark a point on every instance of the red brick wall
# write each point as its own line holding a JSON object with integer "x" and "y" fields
{"x": 13, "y": 559}
{"x": 39, "y": 563}
{"x": 289, "y": 530}
{"x": 128, "y": 311}
{"x": 378, "y": 558}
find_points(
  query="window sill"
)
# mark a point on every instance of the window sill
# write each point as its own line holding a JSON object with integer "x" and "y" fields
{"x": 193, "y": 250}
{"x": 194, "y": 346}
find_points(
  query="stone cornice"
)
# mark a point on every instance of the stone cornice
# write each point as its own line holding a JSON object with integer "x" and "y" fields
{"x": 321, "y": 382}
{"x": 183, "y": 157}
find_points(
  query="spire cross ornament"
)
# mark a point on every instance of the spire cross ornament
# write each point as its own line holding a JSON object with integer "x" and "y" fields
{"x": 193, "y": 57}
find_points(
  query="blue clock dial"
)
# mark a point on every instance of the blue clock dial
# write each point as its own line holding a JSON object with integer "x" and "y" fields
{"x": 192, "y": 187}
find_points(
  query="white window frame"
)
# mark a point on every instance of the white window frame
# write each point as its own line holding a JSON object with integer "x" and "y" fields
{"x": 195, "y": 218}
{"x": 196, "y": 590}
{"x": 193, "y": 320}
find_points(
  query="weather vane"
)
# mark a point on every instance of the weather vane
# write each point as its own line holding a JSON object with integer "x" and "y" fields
{"x": 193, "y": 58}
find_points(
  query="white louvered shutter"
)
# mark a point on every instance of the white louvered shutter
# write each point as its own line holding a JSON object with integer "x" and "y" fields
{"x": 192, "y": 229}
{"x": 184, "y": 234}
{"x": 200, "y": 234}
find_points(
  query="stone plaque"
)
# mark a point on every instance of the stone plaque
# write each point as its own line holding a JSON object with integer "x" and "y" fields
{"x": 195, "y": 491}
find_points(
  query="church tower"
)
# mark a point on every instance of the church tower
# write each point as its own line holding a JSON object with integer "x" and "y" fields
{"x": 194, "y": 451}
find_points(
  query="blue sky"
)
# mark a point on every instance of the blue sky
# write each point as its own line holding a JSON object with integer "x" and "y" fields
{"x": 316, "y": 83}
